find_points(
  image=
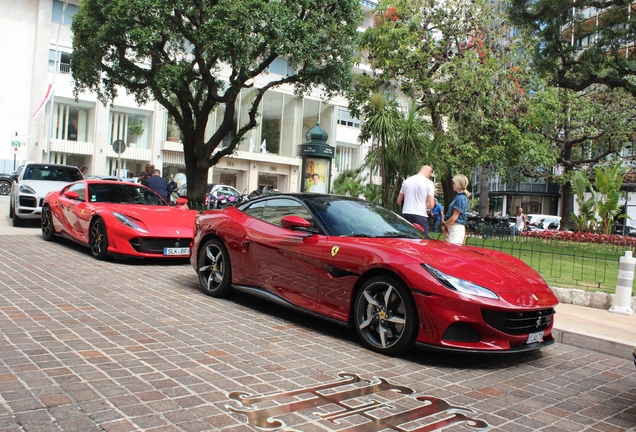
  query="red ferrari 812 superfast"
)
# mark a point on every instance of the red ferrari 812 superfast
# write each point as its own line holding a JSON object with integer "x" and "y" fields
{"x": 118, "y": 219}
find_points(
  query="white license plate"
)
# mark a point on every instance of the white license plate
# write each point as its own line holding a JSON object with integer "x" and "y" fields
{"x": 176, "y": 251}
{"x": 535, "y": 337}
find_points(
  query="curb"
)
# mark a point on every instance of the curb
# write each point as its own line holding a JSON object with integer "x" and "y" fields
{"x": 605, "y": 345}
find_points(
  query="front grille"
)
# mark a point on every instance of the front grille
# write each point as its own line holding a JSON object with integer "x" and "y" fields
{"x": 156, "y": 245}
{"x": 461, "y": 332}
{"x": 28, "y": 201}
{"x": 516, "y": 323}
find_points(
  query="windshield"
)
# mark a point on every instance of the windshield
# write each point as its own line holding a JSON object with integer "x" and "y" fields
{"x": 357, "y": 218}
{"x": 52, "y": 173}
{"x": 123, "y": 193}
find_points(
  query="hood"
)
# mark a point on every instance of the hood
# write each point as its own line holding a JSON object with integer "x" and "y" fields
{"x": 512, "y": 279}
{"x": 42, "y": 187}
{"x": 156, "y": 218}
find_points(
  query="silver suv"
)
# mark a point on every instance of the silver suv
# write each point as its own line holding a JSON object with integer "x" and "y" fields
{"x": 32, "y": 183}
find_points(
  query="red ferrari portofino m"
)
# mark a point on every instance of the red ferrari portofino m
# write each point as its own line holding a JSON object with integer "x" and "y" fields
{"x": 357, "y": 263}
{"x": 118, "y": 218}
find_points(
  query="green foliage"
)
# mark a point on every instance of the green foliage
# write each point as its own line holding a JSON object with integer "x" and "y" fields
{"x": 585, "y": 220}
{"x": 608, "y": 184}
{"x": 175, "y": 53}
{"x": 349, "y": 183}
{"x": 136, "y": 127}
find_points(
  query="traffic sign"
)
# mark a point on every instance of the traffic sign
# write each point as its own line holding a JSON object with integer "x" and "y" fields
{"x": 119, "y": 146}
{"x": 15, "y": 146}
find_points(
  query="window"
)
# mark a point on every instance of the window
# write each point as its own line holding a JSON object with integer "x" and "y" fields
{"x": 63, "y": 62}
{"x": 80, "y": 189}
{"x": 69, "y": 11}
{"x": 345, "y": 118}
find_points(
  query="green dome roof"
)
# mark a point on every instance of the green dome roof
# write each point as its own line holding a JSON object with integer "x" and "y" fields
{"x": 317, "y": 134}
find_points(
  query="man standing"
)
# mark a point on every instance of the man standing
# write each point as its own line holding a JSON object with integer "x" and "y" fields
{"x": 144, "y": 174}
{"x": 159, "y": 185}
{"x": 520, "y": 220}
{"x": 416, "y": 196}
{"x": 437, "y": 214}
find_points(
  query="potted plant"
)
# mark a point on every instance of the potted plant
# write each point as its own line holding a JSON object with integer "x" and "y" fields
{"x": 136, "y": 127}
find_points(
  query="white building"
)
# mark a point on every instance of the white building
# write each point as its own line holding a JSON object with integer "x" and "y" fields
{"x": 83, "y": 132}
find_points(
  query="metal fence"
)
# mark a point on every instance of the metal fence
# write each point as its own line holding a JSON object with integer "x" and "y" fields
{"x": 587, "y": 266}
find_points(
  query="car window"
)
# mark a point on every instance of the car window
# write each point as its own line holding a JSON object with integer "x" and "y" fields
{"x": 352, "y": 217}
{"x": 277, "y": 208}
{"x": 80, "y": 188}
{"x": 125, "y": 193}
{"x": 52, "y": 173}
{"x": 255, "y": 209}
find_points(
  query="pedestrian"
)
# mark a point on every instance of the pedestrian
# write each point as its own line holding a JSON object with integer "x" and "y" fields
{"x": 520, "y": 220}
{"x": 159, "y": 185}
{"x": 438, "y": 214}
{"x": 417, "y": 197}
{"x": 454, "y": 227}
{"x": 84, "y": 170}
{"x": 144, "y": 174}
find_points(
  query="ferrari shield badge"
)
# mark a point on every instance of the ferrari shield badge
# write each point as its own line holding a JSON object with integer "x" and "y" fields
{"x": 334, "y": 250}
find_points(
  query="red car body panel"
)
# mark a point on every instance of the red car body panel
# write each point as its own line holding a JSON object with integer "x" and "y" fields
{"x": 320, "y": 273}
{"x": 72, "y": 219}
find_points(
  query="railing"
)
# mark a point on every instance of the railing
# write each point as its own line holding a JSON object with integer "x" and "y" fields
{"x": 587, "y": 266}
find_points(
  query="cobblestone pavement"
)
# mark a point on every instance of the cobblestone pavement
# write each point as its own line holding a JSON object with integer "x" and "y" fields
{"x": 135, "y": 345}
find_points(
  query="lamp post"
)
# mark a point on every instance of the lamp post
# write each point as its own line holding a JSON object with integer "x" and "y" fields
{"x": 57, "y": 43}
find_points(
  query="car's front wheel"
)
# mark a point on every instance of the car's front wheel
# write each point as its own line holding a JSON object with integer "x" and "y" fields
{"x": 98, "y": 241}
{"x": 5, "y": 187}
{"x": 17, "y": 220}
{"x": 48, "y": 232}
{"x": 385, "y": 315}
{"x": 214, "y": 268}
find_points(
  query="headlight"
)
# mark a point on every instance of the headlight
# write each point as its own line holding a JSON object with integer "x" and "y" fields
{"x": 26, "y": 189}
{"x": 460, "y": 285}
{"x": 129, "y": 223}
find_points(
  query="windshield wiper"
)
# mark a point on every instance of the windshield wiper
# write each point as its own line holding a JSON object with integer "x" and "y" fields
{"x": 396, "y": 235}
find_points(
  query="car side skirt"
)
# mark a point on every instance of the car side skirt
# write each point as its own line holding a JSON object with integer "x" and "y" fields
{"x": 266, "y": 295}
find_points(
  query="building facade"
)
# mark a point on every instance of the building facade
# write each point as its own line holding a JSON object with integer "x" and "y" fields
{"x": 83, "y": 131}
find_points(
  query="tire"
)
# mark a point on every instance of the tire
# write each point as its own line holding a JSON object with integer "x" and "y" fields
{"x": 11, "y": 208}
{"x": 98, "y": 241}
{"x": 5, "y": 187}
{"x": 385, "y": 316}
{"x": 48, "y": 231}
{"x": 17, "y": 221}
{"x": 214, "y": 269}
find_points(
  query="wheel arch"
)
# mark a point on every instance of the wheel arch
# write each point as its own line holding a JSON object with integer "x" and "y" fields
{"x": 369, "y": 274}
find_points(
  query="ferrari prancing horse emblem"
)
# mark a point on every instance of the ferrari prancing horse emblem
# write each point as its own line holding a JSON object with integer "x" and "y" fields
{"x": 334, "y": 250}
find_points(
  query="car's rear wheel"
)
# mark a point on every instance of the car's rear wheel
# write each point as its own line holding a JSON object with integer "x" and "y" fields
{"x": 48, "y": 231}
{"x": 215, "y": 269}
{"x": 385, "y": 315}
{"x": 98, "y": 241}
{"x": 5, "y": 187}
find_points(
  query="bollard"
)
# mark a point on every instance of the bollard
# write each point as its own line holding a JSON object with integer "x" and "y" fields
{"x": 623, "y": 297}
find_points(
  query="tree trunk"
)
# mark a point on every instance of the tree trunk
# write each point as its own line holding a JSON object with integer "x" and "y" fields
{"x": 196, "y": 170}
{"x": 567, "y": 206}
{"x": 447, "y": 187}
{"x": 484, "y": 197}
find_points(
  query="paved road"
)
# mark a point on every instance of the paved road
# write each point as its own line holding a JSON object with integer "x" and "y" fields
{"x": 127, "y": 346}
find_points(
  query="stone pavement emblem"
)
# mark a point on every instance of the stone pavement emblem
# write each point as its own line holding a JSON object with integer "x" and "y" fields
{"x": 353, "y": 396}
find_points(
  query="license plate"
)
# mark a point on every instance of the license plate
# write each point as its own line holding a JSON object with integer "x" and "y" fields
{"x": 535, "y": 337}
{"x": 176, "y": 251}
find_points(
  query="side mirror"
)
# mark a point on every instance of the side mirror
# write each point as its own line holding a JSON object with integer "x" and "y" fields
{"x": 182, "y": 201}
{"x": 295, "y": 222}
{"x": 72, "y": 195}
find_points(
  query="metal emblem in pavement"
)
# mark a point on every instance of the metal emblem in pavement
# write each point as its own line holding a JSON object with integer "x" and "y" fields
{"x": 351, "y": 396}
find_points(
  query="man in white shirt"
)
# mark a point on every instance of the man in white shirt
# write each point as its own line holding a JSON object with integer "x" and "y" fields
{"x": 417, "y": 196}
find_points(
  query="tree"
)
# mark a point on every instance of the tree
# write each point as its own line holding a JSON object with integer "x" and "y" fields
{"x": 175, "y": 53}
{"x": 452, "y": 59}
{"x": 585, "y": 50}
{"x": 582, "y": 43}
